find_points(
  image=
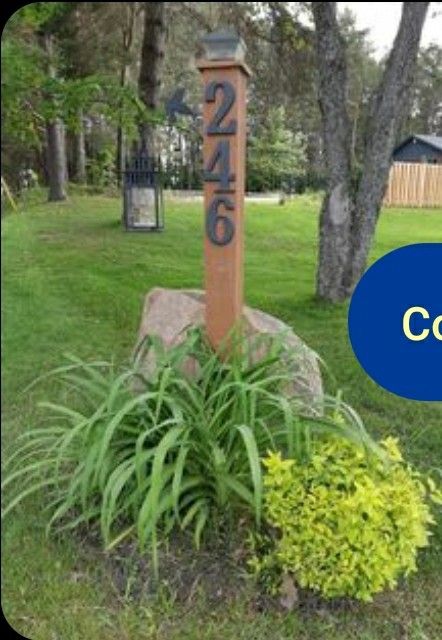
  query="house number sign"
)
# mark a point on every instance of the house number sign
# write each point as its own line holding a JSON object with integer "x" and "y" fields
{"x": 224, "y": 138}
{"x": 220, "y": 228}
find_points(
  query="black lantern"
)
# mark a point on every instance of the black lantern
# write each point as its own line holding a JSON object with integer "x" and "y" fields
{"x": 143, "y": 194}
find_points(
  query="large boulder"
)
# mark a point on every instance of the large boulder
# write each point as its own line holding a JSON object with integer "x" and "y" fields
{"x": 169, "y": 313}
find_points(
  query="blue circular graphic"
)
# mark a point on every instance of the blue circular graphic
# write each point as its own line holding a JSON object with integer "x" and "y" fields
{"x": 395, "y": 321}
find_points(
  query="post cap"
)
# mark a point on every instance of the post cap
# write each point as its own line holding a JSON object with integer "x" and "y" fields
{"x": 224, "y": 44}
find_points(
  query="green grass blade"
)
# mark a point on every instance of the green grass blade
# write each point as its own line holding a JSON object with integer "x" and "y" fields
{"x": 255, "y": 467}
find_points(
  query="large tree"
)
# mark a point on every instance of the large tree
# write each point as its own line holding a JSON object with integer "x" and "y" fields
{"x": 151, "y": 67}
{"x": 48, "y": 17}
{"x": 127, "y": 34}
{"x": 351, "y": 206}
{"x": 55, "y": 132}
{"x": 31, "y": 32}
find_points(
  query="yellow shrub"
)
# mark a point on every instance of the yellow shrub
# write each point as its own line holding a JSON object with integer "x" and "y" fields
{"x": 348, "y": 525}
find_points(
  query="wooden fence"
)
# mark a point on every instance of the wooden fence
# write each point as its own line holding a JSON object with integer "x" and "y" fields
{"x": 413, "y": 184}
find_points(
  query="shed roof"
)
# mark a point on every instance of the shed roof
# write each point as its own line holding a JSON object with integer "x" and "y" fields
{"x": 432, "y": 141}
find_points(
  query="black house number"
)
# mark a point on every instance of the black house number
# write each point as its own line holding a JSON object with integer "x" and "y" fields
{"x": 220, "y": 227}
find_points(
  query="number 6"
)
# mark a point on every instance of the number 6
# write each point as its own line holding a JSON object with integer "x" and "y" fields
{"x": 214, "y": 219}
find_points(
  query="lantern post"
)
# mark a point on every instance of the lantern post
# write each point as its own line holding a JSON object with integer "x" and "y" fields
{"x": 143, "y": 208}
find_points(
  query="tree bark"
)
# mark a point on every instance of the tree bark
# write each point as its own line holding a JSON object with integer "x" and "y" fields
{"x": 128, "y": 32}
{"x": 152, "y": 58}
{"x": 56, "y": 160}
{"x": 55, "y": 138}
{"x": 121, "y": 147}
{"x": 349, "y": 215}
{"x": 79, "y": 153}
{"x": 335, "y": 218}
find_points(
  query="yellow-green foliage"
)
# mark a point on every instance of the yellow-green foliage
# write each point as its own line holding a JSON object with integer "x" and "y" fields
{"x": 348, "y": 525}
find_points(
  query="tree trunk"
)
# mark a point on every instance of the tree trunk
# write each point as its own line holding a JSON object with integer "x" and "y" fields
{"x": 336, "y": 213}
{"x": 121, "y": 146}
{"x": 55, "y": 139}
{"x": 388, "y": 111}
{"x": 56, "y": 160}
{"x": 79, "y": 153}
{"x": 120, "y": 153}
{"x": 152, "y": 58}
{"x": 349, "y": 216}
{"x": 132, "y": 9}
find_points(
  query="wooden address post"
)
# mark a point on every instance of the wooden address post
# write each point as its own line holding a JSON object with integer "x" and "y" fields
{"x": 224, "y": 76}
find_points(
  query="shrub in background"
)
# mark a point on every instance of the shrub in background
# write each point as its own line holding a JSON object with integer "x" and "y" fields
{"x": 101, "y": 167}
{"x": 346, "y": 524}
{"x": 274, "y": 153}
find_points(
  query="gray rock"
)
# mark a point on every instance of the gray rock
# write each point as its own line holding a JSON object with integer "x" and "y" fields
{"x": 169, "y": 313}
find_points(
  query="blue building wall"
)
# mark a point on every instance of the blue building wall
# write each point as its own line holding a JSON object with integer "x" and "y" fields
{"x": 417, "y": 151}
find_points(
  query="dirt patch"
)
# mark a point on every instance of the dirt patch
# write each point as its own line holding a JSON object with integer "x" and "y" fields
{"x": 216, "y": 575}
{"x": 215, "y": 572}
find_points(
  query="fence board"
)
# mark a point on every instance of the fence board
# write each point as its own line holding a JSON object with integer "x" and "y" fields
{"x": 413, "y": 184}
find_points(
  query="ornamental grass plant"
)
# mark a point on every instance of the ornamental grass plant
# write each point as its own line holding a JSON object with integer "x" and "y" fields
{"x": 139, "y": 455}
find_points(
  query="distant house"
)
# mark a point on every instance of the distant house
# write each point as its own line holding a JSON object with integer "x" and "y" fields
{"x": 416, "y": 148}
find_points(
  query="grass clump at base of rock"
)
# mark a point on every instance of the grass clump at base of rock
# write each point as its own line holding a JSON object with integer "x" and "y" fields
{"x": 141, "y": 456}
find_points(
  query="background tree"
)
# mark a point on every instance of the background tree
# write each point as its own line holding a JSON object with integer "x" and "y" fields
{"x": 55, "y": 131}
{"x": 101, "y": 41}
{"x": 131, "y": 13}
{"x": 426, "y": 97}
{"x": 349, "y": 213}
{"x": 152, "y": 59}
{"x": 22, "y": 77}
{"x": 363, "y": 73}
{"x": 61, "y": 64}
{"x": 115, "y": 69}
{"x": 38, "y": 22}
{"x": 276, "y": 154}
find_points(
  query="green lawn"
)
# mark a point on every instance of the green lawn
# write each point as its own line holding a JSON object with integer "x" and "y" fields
{"x": 73, "y": 281}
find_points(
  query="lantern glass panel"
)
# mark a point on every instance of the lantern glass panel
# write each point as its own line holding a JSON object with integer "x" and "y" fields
{"x": 143, "y": 206}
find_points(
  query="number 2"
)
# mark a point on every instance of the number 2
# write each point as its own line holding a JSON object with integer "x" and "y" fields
{"x": 214, "y": 127}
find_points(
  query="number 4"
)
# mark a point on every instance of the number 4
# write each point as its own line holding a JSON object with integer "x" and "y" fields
{"x": 220, "y": 157}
